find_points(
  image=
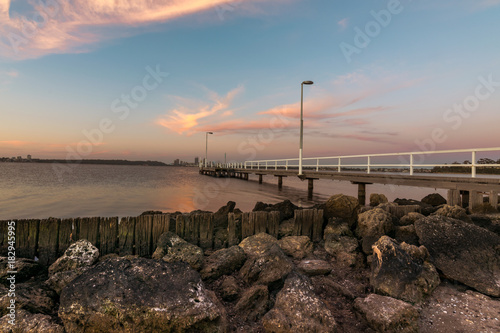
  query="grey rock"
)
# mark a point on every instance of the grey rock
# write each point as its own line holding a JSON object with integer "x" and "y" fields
{"x": 296, "y": 246}
{"x": 298, "y": 309}
{"x": 223, "y": 262}
{"x": 371, "y": 226}
{"x": 463, "y": 251}
{"x": 258, "y": 244}
{"x": 26, "y": 322}
{"x": 253, "y": 303}
{"x": 376, "y": 199}
{"x": 314, "y": 267}
{"x": 402, "y": 271}
{"x": 455, "y": 212}
{"x": 79, "y": 254}
{"x": 268, "y": 268}
{"x": 140, "y": 295}
{"x": 386, "y": 314}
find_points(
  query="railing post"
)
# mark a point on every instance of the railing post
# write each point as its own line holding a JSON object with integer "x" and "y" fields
{"x": 266, "y": 165}
{"x": 286, "y": 165}
{"x": 276, "y": 165}
{"x": 411, "y": 164}
{"x": 474, "y": 168}
{"x": 368, "y": 165}
{"x": 317, "y": 165}
{"x": 339, "y": 163}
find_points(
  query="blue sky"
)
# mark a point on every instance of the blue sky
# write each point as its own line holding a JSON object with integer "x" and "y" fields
{"x": 235, "y": 68}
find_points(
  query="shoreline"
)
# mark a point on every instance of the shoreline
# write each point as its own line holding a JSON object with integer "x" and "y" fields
{"x": 320, "y": 268}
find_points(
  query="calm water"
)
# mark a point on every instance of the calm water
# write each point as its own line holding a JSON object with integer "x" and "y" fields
{"x": 33, "y": 190}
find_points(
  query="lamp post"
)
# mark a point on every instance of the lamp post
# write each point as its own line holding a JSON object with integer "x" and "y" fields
{"x": 206, "y": 147}
{"x": 302, "y": 122}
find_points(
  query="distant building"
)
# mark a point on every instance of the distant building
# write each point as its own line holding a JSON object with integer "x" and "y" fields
{"x": 28, "y": 157}
{"x": 196, "y": 160}
{"x": 19, "y": 158}
{"x": 176, "y": 162}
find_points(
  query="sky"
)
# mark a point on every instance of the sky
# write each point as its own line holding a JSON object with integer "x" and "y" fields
{"x": 146, "y": 80}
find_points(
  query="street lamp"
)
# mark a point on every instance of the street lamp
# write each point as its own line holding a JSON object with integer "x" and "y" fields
{"x": 206, "y": 147}
{"x": 302, "y": 122}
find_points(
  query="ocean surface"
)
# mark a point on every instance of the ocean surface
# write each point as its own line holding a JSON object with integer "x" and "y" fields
{"x": 37, "y": 190}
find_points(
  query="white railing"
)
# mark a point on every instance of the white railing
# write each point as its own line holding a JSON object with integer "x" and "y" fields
{"x": 287, "y": 164}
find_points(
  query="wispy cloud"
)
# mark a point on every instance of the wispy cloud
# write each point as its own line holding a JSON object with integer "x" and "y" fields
{"x": 12, "y": 73}
{"x": 490, "y": 3}
{"x": 75, "y": 25}
{"x": 186, "y": 118}
{"x": 343, "y": 23}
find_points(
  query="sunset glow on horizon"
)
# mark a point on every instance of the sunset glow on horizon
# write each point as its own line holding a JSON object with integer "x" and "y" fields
{"x": 145, "y": 80}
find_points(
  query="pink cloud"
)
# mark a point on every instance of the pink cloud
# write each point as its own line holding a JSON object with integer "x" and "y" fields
{"x": 73, "y": 26}
{"x": 16, "y": 143}
{"x": 186, "y": 119}
{"x": 343, "y": 23}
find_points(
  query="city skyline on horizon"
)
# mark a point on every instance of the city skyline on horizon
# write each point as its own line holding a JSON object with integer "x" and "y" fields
{"x": 147, "y": 81}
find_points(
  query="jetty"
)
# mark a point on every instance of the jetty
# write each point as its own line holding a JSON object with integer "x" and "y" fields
{"x": 399, "y": 169}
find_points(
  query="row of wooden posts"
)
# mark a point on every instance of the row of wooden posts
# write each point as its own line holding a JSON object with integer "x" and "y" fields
{"x": 48, "y": 239}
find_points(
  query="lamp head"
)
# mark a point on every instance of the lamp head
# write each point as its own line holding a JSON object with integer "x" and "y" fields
{"x": 308, "y": 82}
{"x": 210, "y": 132}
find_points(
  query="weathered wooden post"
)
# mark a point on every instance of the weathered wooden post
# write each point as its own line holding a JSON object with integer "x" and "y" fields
{"x": 47, "y": 241}
{"x": 494, "y": 199}
{"x": 126, "y": 236}
{"x": 309, "y": 222}
{"x": 108, "y": 235}
{"x": 454, "y": 198}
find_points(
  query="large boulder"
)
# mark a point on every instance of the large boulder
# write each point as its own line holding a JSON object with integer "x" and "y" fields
{"x": 377, "y": 199}
{"x": 257, "y": 244}
{"x": 25, "y": 268}
{"x": 455, "y": 212}
{"x": 402, "y": 271}
{"x": 268, "y": 268}
{"x": 463, "y": 251}
{"x": 223, "y": 262}
{"x": 253, "y": 303}
{"x": 296, "y": 246}
{"x": 79, "y": 254}
{"x": 343, "y": 206}
{"x": 298, "y": 309}
{"x": 372, "y": 225}
{"x": 434, "y": 199}
{"x": 59, "y": 280}
{"x": 28, "y": 322}
{"x": 386, "y": 314}
{"x": 77, "y": 258}
{"x": 29, "y": 296}
{"x": 140, "y": 295}
{"x": 172, "y": 248}
{"x": 450, "y": 309}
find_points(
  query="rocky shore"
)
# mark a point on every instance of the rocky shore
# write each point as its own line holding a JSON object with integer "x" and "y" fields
{"x": 405, "y": 266}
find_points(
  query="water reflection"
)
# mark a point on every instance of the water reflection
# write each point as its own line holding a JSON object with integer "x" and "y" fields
{"x": 32, "y": 190}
